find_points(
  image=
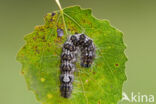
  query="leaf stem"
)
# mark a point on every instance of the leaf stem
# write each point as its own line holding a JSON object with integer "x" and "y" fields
{"x": 59, "y": 5}
{"x": 61, "y": 11}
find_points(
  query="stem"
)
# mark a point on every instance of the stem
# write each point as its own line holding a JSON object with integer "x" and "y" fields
{"x": 59, "y": 5}
{"x": 61, "y": 11}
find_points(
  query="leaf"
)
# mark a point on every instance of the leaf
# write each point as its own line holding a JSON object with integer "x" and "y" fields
{"x": 40, "y": 59}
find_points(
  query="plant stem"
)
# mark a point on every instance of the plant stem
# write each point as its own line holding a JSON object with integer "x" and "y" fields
{"x": 59, "y": 5}
{"x": 61, "y": 11}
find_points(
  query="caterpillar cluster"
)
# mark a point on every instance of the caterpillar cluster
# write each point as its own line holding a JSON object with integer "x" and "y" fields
{"x": 75, "y": 44}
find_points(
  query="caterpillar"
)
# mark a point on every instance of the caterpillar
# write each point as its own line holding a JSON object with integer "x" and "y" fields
{"x": 75, "y": 45}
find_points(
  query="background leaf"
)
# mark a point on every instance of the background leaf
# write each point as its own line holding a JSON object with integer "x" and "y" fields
{"x": 40, "y": 58}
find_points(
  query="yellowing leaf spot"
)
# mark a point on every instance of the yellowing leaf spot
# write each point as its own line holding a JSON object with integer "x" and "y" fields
{"x": 42, "y": 79}
{"x": 49, "y": 96}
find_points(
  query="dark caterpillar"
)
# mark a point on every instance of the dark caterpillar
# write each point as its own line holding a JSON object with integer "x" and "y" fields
{"x": 75, "y": 44}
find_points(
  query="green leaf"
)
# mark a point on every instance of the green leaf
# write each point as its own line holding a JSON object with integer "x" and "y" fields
{"x": 40, "y": 59}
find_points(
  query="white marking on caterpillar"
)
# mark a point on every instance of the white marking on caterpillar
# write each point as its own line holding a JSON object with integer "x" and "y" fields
{"x": 75, "y": 44}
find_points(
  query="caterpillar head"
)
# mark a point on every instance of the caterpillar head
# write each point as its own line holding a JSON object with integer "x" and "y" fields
{"x": 66, "y": 90}
{"x": 86, "y": 64}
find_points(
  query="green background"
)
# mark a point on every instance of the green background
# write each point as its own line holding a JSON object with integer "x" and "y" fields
{"x": 135, "y": 18}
